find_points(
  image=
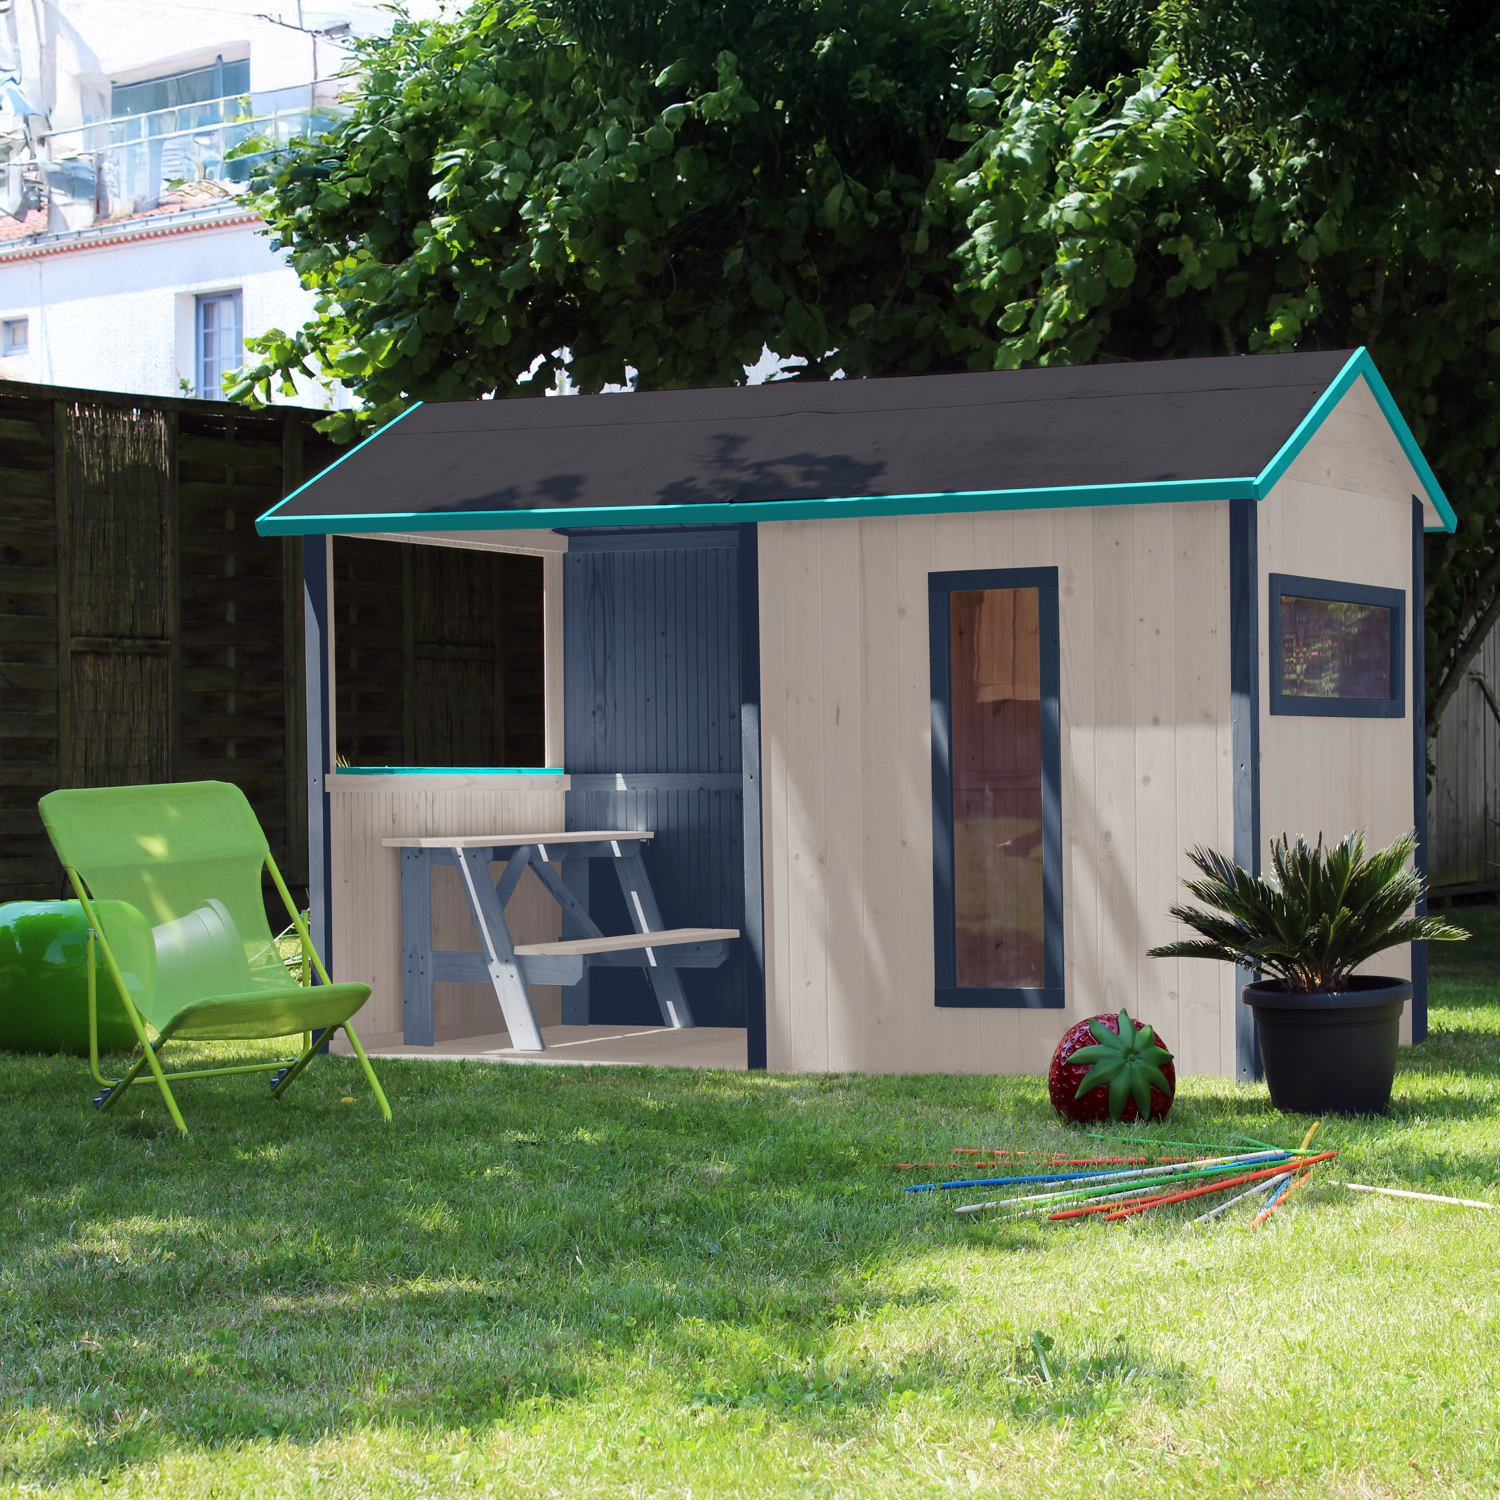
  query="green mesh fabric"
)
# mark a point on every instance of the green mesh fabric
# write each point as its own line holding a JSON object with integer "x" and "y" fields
{"x": 176, "y": 874}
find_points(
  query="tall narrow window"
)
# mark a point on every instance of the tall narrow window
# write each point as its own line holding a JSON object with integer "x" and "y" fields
{"x": 997, "y": 822}
{"x": 220, "y": 350}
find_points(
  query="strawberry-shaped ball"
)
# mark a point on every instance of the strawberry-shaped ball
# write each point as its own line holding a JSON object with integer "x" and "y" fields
{"x": 1111, "y": 1068}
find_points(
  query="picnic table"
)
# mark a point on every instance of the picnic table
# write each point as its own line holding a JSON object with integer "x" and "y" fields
{"x": 510, "y": 966}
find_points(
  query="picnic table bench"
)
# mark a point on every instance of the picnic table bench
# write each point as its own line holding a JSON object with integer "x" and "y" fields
{"x": 508, "y": 966}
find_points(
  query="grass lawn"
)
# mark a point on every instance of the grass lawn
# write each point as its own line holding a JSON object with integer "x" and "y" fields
{"x": 554, "y": 1281}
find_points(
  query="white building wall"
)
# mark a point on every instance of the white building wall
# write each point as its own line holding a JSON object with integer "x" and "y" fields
{"x": 111, "y": 306}
{"x": 120, "y": 317}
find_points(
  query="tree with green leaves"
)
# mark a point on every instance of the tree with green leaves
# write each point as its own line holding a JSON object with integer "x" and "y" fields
{"x": 616, "y": 190}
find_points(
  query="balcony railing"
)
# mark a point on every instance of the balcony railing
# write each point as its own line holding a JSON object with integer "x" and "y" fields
{"x": 112, "y": 168}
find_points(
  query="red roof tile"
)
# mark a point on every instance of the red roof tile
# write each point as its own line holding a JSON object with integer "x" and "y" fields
{"x": 188, "y": 197}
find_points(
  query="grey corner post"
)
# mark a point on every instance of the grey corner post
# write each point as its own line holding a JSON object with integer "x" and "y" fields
{"x": 754, "y": 924}
{"x": 418, "y": 1024}
{"x": 316, "y": 611}
{"x": 1419, "y": 760}
{"x": 1244, "y": 733}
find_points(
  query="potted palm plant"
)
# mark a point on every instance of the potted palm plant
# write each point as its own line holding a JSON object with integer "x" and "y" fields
{"x": 1328, "y": 1036}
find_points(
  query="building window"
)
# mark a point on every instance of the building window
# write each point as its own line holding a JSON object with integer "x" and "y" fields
{"x": 219, "y": 345}
{"x": 1337, "y": 649}
{"x": 221, "y": 81}
{"x": 16, "y": 336}
{"x": 996, "y": 788}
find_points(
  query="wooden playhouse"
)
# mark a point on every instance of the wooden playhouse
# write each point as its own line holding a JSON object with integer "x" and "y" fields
{"x": 888, "y": 706}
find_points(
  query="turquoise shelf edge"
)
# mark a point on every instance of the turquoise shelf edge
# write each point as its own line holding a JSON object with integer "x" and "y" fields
{"x": 450, "y": 771}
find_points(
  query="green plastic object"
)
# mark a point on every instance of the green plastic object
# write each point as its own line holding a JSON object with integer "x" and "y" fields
{"x": 170, "y": 879}
{"x": 44, "y": 1002}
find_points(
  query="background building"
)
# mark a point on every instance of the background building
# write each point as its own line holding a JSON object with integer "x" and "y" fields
{"x": 128, "y": 260}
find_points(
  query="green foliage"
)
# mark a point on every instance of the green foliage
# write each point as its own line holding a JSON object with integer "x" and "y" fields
{"x": 1127, "y": 1061}
{"x": 670, "y": 198}
{"x": 618, "y": 191}
{"x": 1315, "y": 919}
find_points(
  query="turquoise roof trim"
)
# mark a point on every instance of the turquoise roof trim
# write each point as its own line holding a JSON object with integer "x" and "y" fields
{"x": 1359, "y": 364}
{"x": 260, "y": 524}
{"x": 1248, "y": 487}
{"x": 949, "y": 503}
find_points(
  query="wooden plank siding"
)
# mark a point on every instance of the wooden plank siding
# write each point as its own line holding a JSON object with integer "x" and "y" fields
{"x": 1147, "y": 768}
{"x": 1342, "y": 512}
{"x": 146, "y": 631}
{"x": 847, "y": 820}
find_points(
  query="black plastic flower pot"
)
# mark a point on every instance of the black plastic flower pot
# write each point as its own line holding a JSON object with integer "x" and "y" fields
{"x": 1330, "y": 1054}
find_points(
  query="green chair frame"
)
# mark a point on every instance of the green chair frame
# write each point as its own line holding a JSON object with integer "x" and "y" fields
{"x": 113, "y": 1090}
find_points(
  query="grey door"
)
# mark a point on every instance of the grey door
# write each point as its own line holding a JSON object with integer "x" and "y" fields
{"x": 653, "y": 732}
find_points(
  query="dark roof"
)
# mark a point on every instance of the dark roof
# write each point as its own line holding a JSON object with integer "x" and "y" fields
{"x": 884, "y": 446}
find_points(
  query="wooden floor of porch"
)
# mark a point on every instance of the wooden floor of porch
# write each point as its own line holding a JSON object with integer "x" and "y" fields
{"x": 607, "y": 1046}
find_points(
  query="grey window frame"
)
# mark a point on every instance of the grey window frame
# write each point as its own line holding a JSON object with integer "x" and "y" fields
{"x": 225, "y": 80}
{"x": 201, "y": 385}
{"x": 6, "y": 347}
{"x": 1392, "y": 707}
{"x": 947, "y": 992}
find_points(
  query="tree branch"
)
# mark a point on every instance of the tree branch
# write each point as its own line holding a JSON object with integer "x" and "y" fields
{"x": 1460, "y": 664}
{"x": 1483, "y": 586}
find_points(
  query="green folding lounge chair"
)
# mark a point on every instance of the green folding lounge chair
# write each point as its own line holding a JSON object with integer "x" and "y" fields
{"x": 170, "y": 880}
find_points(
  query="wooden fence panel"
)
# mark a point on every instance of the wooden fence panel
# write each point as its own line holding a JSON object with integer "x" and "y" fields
{"x": 117, "y": 517}
{"x": 146, "y": 632}
{"x": 1463, "y": 841}
{"x": 238, "y": 592}
{"x": 30, "y": 722}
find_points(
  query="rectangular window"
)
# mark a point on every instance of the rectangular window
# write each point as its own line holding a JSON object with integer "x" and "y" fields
{"x": 173, "y": 90}
{"x": 220, "y": 350}
{"x": 17, "y": 336}
{"x": 1338, "y": 650}
{"x": 996, "y": 803}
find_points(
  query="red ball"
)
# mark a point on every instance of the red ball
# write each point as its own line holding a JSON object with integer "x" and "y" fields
{"x": 1064, "y": 1077}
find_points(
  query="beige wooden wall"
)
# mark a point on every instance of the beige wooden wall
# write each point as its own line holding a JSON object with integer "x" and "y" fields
{"x": 1343, "y": 512}
{"x": 367, "y": 890}
{"x": 847, "y": 788}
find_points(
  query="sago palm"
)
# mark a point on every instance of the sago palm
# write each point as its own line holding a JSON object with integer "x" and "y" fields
{"x": 1315, "y": 919}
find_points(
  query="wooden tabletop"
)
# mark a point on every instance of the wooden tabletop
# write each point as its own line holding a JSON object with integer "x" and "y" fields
{"x": 513, "y": 840}
{"x": 668, "y": 939}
